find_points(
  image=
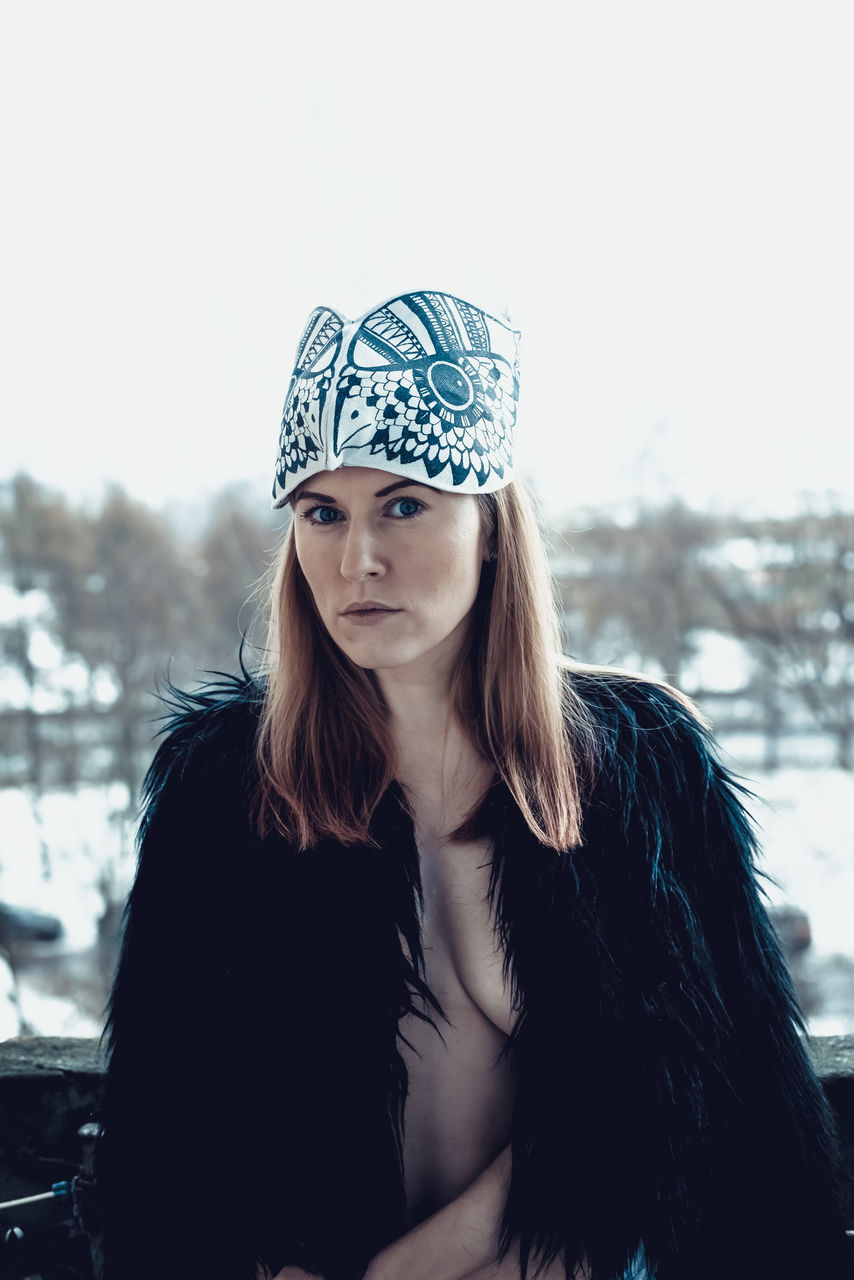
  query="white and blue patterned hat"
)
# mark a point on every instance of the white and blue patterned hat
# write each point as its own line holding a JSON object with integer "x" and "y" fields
{"x": 423, "y": 386}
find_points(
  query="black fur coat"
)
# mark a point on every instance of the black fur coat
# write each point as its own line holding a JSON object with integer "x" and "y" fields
{"x": 664, "y": 1097}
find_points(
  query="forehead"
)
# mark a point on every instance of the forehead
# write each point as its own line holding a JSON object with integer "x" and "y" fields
{"x": 356, "y": 482}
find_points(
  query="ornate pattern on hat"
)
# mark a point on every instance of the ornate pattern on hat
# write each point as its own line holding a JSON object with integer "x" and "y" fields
{"x": 425, "y": 386}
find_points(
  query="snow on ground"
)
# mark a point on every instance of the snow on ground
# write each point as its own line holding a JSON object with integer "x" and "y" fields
{"x": 805, "y": 817}
{"x": 8, "y": 1004}
{"x": 87, "y": 842}
{"x": 81, "y": 839}
{"x": 45, "y": 1015}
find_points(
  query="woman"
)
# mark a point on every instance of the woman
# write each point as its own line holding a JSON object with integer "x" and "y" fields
{"x": 445, "y": 958}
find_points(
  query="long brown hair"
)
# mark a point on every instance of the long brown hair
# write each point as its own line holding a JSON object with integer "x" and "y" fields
{"x": 324, "y": 751}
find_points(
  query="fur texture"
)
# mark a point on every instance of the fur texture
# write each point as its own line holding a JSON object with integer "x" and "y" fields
{"x": 255, "y": 1093}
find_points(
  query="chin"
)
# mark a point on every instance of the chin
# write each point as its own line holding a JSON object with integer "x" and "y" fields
{"x": 370, "y": 655}
{"x": 380, "y": 661}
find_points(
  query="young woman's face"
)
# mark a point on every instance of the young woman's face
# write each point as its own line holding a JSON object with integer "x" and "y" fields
{"x": 393, "y": 565}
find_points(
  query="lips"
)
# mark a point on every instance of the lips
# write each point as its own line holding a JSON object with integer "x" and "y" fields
{"x": 364, "y": 608}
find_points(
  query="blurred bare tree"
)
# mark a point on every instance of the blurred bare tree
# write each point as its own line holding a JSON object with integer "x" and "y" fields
{"x": 795, "y": 608}
{"x": 126, "y": 602}
{"x": 635, "y": 589}
{"x": 230, "y": 563}
{"x": 648, "y": 591}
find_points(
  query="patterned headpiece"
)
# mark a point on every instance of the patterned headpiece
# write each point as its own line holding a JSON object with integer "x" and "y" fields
{"x": 423, "y": 386}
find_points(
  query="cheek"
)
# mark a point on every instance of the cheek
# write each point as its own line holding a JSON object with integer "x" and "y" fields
{"x": 455, "y": 572}
{"x": 312, "y": 567}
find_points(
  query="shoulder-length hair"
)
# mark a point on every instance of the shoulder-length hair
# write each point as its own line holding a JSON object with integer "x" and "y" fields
{"x": 324, "y": 750}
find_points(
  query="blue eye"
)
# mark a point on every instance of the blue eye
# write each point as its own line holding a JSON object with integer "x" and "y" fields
{"x": 408, "y": 507}
{"x": 321, "y": 515}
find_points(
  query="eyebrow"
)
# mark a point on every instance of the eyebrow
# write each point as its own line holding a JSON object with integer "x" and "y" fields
{"x": 381, "y": 493}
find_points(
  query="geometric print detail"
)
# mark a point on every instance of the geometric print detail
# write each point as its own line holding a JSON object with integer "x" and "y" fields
{"x": 301, "y": 434}
{"x": 475, "y": 324}
{"x": 323, "y": 326}
{"x": 383, "y": 331}
{"x": 425, "y": 380}
{"x": 299, "y": 439}
{"x": 418, "y": 422}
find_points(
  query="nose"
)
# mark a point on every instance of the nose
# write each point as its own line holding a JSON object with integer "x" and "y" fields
{"x": 361, "y": 556}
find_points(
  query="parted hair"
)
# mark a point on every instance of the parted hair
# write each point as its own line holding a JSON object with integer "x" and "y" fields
{"x": 324, "y": 751}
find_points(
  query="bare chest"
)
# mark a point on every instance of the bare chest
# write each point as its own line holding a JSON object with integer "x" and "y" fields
{"x": 460, "y": 1099}
{"x": 462, "y": 952}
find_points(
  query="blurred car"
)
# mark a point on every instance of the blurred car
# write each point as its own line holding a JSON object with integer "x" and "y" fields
{"x": 22, "y": 924}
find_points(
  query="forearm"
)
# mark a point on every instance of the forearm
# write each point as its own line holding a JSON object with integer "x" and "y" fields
{"x": 459, "y": 1239}
{"x": 458, "y": 1242}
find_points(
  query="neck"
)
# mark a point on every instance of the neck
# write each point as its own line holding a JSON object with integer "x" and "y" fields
{"x": 427, "y": 734}
{"x": 418, "y": 695}
{"x": 417, "y": 710}
{"x": 436, "y": 762}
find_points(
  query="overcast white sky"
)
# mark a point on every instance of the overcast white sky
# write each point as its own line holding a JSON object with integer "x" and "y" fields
{"x": 661, "y": 193}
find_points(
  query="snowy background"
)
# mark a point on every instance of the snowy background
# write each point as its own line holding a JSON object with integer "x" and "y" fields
{"x": 658, "y": 194}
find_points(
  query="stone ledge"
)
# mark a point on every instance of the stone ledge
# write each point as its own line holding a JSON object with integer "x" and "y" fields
{"x": 48, "y": 1089}
{"x": 53, "y": 1055}
{"x": 833, "y": 1056}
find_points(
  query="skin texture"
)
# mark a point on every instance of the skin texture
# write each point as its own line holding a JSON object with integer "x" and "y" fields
{"x": 417, "y": 549}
